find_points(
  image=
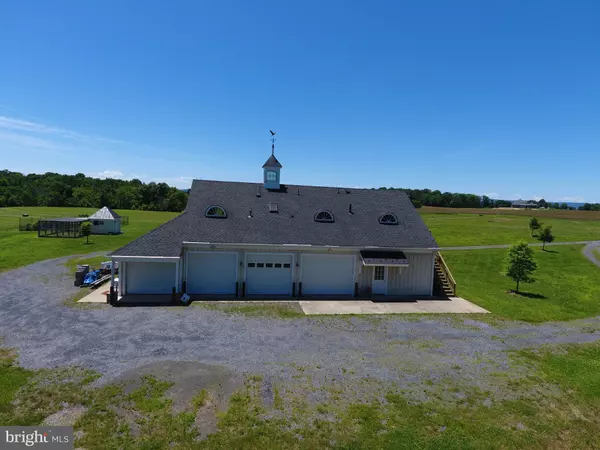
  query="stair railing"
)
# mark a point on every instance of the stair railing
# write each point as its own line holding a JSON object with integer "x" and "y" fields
{"x": 444, "y": 268}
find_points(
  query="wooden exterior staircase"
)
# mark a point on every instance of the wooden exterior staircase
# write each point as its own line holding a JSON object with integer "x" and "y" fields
{"x": 444, "y": 284}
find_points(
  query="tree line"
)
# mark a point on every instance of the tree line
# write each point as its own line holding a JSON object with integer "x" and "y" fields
{"x": 53, "y": 189}
{"x": 427, "y": 197}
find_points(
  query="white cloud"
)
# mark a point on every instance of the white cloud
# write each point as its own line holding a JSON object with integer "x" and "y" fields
{"x": 573, "y": 199}
{"x": 108, "y": 174}
{"x": 183, "y": 182}
{"x": 19, "y": 125}
{"x": 179, "y": 182}
{"x": 23, "y": 140}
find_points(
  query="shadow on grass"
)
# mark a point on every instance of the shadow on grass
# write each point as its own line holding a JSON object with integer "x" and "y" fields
{"x": 527, "y": 294}
{"x": 549, "y": 251}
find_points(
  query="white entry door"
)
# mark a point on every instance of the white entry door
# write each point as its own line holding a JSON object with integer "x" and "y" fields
{"x": 380, "y": 280}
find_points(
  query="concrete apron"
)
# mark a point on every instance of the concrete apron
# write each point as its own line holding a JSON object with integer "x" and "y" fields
{"x": 452, "y": 305}
{"x": 98, "y": 295}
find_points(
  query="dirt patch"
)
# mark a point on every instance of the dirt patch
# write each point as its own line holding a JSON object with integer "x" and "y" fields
{"x": 188, "y": 379}
{"x": 66, "y": 417}
{"x": 206, "y": 418}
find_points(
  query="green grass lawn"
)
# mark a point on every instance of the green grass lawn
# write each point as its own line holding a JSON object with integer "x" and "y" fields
{"x": 473, "y": 229}
{"x": 567, "y": 284}
{"x": 19, "y": 248}
{"x": 555, "y": 405}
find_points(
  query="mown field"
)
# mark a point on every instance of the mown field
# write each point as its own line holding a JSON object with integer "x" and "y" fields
{"x": 459, "y": 227}
{"x": 567, "y": 284}
{"x": 541, "y": 213}
{"x": 19, "y": 248}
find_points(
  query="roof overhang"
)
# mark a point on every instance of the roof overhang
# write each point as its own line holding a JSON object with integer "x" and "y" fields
{"x": 383, "y": 258}
{"x": 141, "y": 258}
{"x": 192, "y": 244}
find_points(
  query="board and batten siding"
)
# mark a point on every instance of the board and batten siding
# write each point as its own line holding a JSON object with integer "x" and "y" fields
{"x": 416, "y": 279}
{"x": 106, "y": 226}
{"x": 296, "y": 273}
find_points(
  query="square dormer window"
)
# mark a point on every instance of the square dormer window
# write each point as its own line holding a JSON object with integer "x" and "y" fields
{"x": 271, "y": 175}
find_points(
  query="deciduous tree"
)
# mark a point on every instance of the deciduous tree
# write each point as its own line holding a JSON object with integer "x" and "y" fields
{"x": 534, "y": 225}
{"x": 546, "y": 236}
{"x": 86, "y": 230}
{"x": 520, "y": 264}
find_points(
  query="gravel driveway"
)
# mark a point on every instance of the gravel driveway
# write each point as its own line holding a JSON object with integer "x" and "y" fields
{"x": 405, "y": 350}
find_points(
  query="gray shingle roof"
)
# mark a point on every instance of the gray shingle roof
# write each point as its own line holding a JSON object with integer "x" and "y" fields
{"x": 272, "y": 162}
{"x": 292, "y": 224}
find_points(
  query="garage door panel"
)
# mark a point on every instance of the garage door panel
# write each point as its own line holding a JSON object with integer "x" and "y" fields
{"x": 150, "y": 277}
{"x": 328, "y": 274}
{"x": 211, "y": 273}
{"x": 269, "y": 274}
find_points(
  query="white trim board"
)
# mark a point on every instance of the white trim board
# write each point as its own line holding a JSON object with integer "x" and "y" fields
{"x": 147, "y": 258}
{"x": 307, "y": 246}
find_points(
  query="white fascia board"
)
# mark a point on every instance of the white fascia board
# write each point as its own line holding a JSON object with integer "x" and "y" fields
{"x": 147, "y": 258}
{"x": 303, "y": 246}
{"x": 385, "y": 265}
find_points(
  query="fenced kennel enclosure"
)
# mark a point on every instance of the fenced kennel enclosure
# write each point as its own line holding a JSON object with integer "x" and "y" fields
{"x": 66, "y": 227}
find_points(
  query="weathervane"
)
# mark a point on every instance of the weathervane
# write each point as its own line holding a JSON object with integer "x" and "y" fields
{"x": 273, "y": 141}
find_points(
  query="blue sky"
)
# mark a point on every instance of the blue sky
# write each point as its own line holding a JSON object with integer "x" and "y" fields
{"x": 488, "y": 97}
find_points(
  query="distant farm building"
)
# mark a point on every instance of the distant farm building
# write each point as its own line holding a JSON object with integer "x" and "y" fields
{"x": 105, "y": 221}
{"x": 522, "y": 204}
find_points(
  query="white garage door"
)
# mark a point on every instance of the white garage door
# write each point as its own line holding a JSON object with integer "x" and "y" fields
{"x": 150, "y": 277}
{"x": 269, "y": 274}
{"x": 327, "y": 274}
{"x": 211, "y": 273}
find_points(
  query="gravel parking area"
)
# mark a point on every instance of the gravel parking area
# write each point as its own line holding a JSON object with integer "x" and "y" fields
{"x": 406, "y": 350}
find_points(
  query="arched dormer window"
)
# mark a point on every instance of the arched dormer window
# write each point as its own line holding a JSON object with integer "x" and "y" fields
{"x": 323, "y": 216}
{"x": 388, "y": 219}
{"x": 216, "y": 212}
